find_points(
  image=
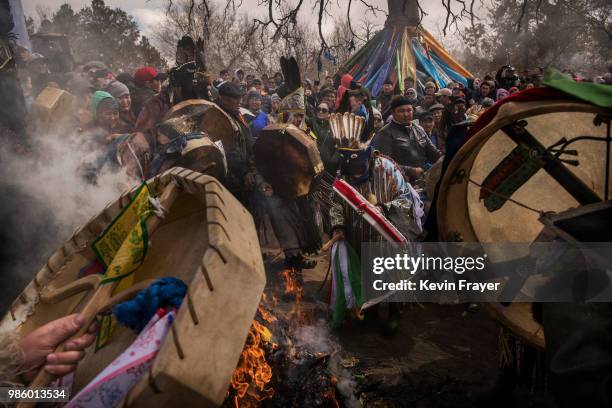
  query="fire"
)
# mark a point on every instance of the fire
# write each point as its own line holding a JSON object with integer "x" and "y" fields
{"x": 253, "y": 373}
{"x": 298, "y": 316}
{"x": 292, "y": 287}
{"x": 252, "y": 382}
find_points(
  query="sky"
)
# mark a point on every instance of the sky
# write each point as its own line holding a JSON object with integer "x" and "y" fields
{"x": 149, "y": 13}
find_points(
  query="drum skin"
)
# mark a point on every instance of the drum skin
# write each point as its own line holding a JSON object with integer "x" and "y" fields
{"x": 288, "y": 148}
{"x": 204, "y": 116}
{"x": 463, "y": 217}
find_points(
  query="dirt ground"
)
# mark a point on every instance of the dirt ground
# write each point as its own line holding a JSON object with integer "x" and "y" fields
{"x": 439, "y": 355}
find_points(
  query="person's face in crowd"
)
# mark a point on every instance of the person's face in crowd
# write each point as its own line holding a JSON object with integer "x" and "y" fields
{"x": 276, "y": 104}
{"x": 378, "y": 122}
{"x": 108, "y": 119}
{"x": 485, "y": 89}
{"x": 388, "y": 89}
{"x": 427, "y": 124}
{"x": 155, "y": 85}
{"x": 278, "y": 78}
{"x": 329, "y": 99}
{"x": 125, "y": 103}
{"x": 225, "y": 76}
{"x": 430, "y": 90}
{"x": 329, "y": 81}
{"x": 240, "y": 76}
{"x": 100, "y": 83}
{"x": 316, "y": 88}
{"x": 444, "y": 100}
{"x": 530, "y": 85}
{"x": 428, "y": 100}
{"x": 456, "y": 92}
{"x": 460, "y": 108}
{"x": 230, "y": 103}
{"x": 407, "y": 83}
{"x": 403, "y": 114}
{"x": 477, "y": 83}
{"x": 437, "y": 116}
{"x": 271, "y": 85}
{"x": 355, "y": 103}
{"x": 257, "y": 85}
{"x": 249, "y": 79}
{"x": 323, "y": 111}
{"x": 410, "y": 93}
{"x": 296, "y": 119}
{"x": 91, "y": 76}
{"x": 254, "y": 104}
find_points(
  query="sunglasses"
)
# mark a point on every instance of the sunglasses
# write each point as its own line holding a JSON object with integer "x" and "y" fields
{"x": 323, "y": 110}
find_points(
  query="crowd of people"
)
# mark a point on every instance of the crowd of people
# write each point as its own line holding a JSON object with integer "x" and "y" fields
{"x": 407, "y": 124}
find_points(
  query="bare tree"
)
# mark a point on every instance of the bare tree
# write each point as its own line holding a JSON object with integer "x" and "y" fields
{"x": 281, "y": 21}
{"x": 572, "y": 34}
{"x": 239, "y": 42}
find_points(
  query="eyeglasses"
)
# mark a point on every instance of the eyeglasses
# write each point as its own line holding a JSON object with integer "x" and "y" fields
{"x": 323, "y": 110}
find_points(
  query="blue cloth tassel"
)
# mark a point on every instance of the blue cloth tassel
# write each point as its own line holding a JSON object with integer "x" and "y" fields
{"x": 164, "y": 292}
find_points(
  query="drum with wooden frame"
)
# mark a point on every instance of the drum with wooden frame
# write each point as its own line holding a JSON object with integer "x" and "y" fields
{"x": 208, "y": 240}
{"x": 290, "y": 149}
{"x": 572, "y": 175}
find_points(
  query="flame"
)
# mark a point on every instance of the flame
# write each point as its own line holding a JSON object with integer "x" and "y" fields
{"x": 298, "y": 316}
{"x": 292, "y": 287}
{"x": 253, "y": 373}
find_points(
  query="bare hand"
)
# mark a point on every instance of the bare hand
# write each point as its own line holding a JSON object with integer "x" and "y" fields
{"x": 39, "y": 346}
{"x": 338, "y": 234}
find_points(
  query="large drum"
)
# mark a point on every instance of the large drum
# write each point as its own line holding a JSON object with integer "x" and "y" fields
{"x": 288, "y": 159}
{"x": 208, "y": 240}
{"x": 479, "y": 202}
{"x": 200, "y": 115}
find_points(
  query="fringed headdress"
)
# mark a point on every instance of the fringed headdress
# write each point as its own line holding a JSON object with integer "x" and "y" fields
{"x": 347, "y": 129}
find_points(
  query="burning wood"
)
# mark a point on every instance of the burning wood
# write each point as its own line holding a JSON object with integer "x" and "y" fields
{"x": 278, "y": 367}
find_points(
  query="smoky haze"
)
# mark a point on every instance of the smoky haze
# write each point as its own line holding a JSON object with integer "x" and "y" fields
{"x": 45, "y": 198}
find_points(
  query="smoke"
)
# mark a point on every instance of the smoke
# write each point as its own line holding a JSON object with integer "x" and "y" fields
{"x": 45, "y": 198}
{"x": 318, "y": 338}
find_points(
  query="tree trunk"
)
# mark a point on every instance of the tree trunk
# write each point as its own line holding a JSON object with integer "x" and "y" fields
{"x": 403, "y": 13}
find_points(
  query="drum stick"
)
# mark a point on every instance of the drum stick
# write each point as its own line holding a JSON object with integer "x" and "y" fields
{"x": 100, "y": 297}
{"x": 327, "y": 246}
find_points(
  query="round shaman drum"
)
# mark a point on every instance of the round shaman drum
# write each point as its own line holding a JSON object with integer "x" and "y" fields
{"x": 483, "y": 198}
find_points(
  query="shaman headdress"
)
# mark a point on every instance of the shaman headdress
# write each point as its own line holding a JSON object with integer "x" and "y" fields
{"x": 291, "y": 92}
{"x": 347, "y": 129}
{"x": 190, "y": 71}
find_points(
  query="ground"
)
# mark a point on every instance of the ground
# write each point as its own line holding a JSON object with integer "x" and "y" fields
{"x": 440, "y": 354}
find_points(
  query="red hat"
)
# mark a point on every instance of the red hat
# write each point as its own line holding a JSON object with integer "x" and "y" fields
{"x": 144, "y": 74}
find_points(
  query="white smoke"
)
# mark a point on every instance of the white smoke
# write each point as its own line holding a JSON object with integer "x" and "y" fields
{"x": 318, "y": 338}
{"x": 45, "y": 198}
